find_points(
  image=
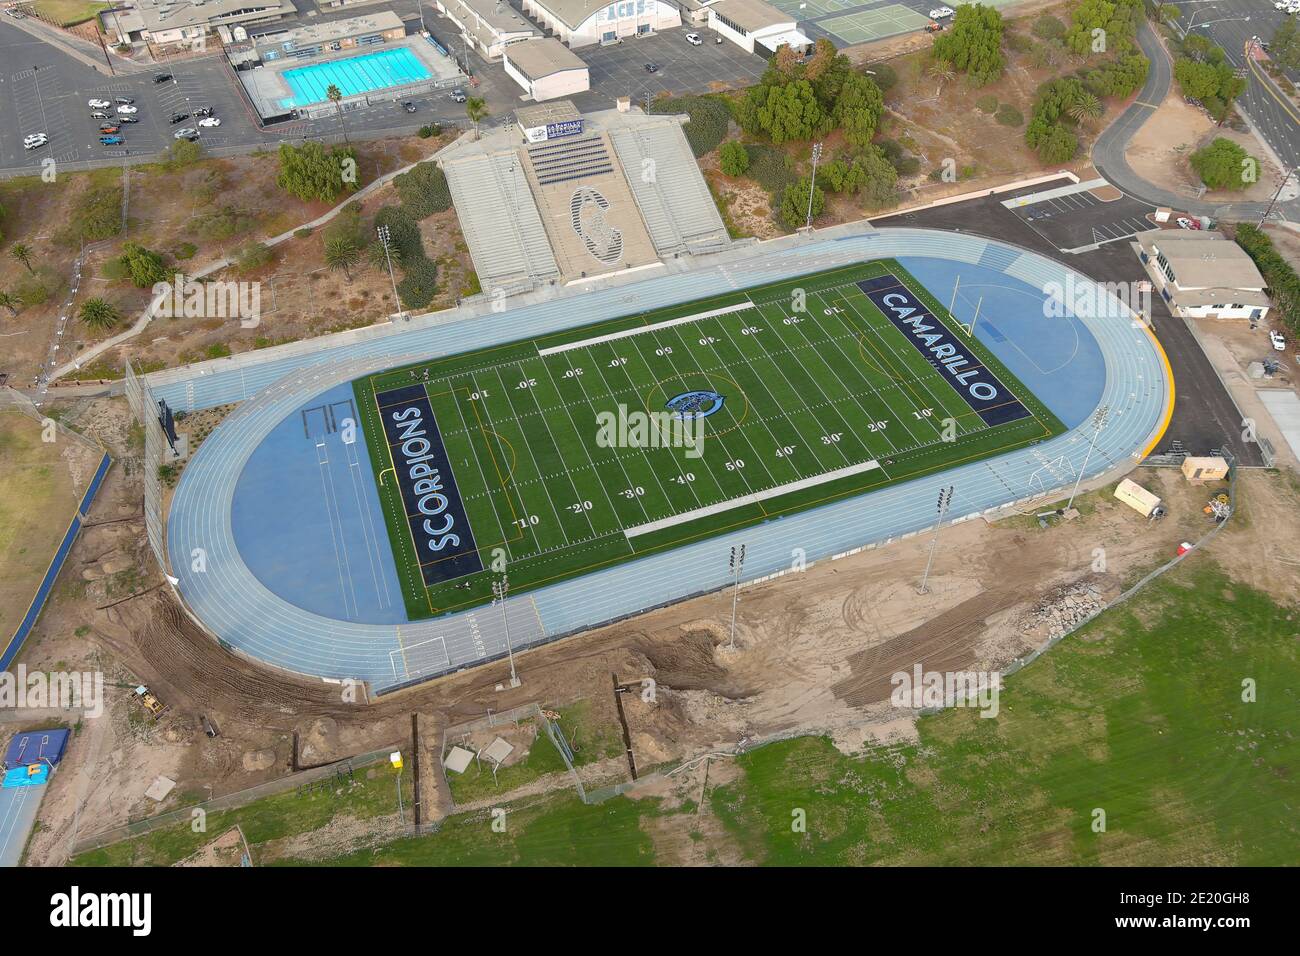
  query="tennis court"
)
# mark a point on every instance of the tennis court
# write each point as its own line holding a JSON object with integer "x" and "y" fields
{"x": 396, "y": 66}
{"x": 867, "y": 25}
{"x": 807, "y": 9}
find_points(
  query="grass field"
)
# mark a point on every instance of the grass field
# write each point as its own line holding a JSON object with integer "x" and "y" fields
{"x": 1139, "y": 714}
{"x": 800, "y": 393}
{"x": 65, "y": 13}
{"x": 38, "y": 503}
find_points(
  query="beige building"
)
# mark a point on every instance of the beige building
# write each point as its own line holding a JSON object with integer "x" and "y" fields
{"x": 755, "y": 26}
{"x": 1202, "y": 274}
{"x": 188, "y": 22}
{"x": 488, "y": 26}
{"x": 546, "y": 69}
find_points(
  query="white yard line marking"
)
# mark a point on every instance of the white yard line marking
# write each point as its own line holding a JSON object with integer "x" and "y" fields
{"x": 628, "y": 333}
{"x": 751, "y": 498}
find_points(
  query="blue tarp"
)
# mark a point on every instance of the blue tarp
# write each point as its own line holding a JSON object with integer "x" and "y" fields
{"x": 35, "y": 746}
{"x": 30, "y": 776}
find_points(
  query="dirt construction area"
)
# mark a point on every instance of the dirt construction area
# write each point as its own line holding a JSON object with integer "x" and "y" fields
{"x": 814, "y": 651}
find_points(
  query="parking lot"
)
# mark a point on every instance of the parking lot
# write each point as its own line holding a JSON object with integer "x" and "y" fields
{"x": 620, "y": 69}
{"x": 1082, "y": 221}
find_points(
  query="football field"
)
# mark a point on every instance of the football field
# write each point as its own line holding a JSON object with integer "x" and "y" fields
{"x": 551, "y": 457}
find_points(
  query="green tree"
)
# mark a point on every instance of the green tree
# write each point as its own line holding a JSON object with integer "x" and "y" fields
{"x": 142, "y": 267}
{"x": 794, "y": 203}
{"x": 1085, "y": 107}
{"x": 1284, "y": 48}
{"x": 974, "y": 44}
{"x": 310, "y": 173}
{"x": 785, "y": 113}
{"x": 341, "y": 253}
{"x": 1224, "y": 165}
{"x": 878, "y": 176}
{"x": 99, "y": 314}
{"x": 10, "y": 301}
{"x": 733, "y": 159}
{"x": 335, "y": 96}
{"x": 476, "y": 109}
{"x": 22, "y": 253}
{"x": 942, "y": 71}
{"x": 857, "y": 108}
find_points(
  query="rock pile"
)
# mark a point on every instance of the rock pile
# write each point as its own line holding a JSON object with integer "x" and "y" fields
{"x": 1064, "y": 608}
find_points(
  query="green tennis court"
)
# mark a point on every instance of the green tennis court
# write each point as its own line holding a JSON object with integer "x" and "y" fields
{"x": 867, "y": 25}
{"x": 807, "y": 9}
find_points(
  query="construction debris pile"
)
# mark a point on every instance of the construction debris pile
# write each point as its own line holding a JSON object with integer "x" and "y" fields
{"x": 1064, "y": 608}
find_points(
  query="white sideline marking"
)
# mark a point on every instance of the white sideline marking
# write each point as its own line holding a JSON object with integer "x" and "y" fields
{"x": 627, "y": 333}
{"x": 751, "y": 498}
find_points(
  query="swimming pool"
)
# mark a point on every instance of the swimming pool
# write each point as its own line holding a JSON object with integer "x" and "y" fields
{"x": 357, "y": 74}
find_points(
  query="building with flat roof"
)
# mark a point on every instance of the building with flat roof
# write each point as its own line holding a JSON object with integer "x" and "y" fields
{"x": 488, "y": 26}
{"x": 1203, "y": 274}
{"x": 546, "y": 69}
{"x": 188, "y": 22}
{"x": 755, "y": 26}
{"x": 580, "y": 23}
{"x": 335, "y": 35}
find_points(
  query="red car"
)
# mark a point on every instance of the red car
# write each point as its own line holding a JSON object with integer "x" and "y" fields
{"x": 109, "y": 129}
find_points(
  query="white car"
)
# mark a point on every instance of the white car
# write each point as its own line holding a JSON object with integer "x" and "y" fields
{"x": 35, "y": 140}
{"x": 693, "y": 39}
{"x": 1184, "y": 223}
{"x": 209, "y": 121}
{"x": 1279, "y": 343}
{"x": 938, "y": 13}
{"x": 188, "y": 132}
{"x": 127, "y": 110}
{"x": 98, "y": 104}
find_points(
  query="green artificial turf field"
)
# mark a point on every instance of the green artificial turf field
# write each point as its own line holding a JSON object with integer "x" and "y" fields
{"x": 585, "y": 448}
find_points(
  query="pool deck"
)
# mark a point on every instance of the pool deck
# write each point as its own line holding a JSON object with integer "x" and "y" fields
{"x": 268, "y": 88}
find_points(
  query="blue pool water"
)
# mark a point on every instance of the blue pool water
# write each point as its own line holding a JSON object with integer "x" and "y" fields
{"x": 356, "y": 74}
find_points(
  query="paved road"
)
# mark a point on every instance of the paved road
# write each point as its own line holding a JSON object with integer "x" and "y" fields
{"x": 1108, "y": 152}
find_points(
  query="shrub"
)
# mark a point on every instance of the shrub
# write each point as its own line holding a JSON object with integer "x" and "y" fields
{"x": 1224, "y": 165}
{"x": 794, "y": 203}
{"x": 253, "y": 256}
{"x": 419, "y": 283}
{"x": 733, "y": 159}
{"x": 309, "y": 173}
{"x": 1008, "y": 115}
{"x": 224, "y": 222}
{"x": 430, "y": 130}
{"x": 886, "y": 76}
{"x": 1020, "y": 43}
{"x": 987, "y": 103}
{"x": 97, "y": 215}
{"x": 423, "y": 190}
{"x": 1047, "y": 27}
{"x": 710, "y": 117}
{"x": 37, "y": 288}
{"x": 184, "y": 250}
{"x": 769, "y": 168}
{"x": 1283, "y": 283}
{"x": 404, "y": 240}
{"x": 143, "y": 267}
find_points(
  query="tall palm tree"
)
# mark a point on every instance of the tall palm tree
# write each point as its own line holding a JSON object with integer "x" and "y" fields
{"x": 23, "y": 253}
{"x": 99, "y": 314}
{"x": 477, "y": 111}
{"x": 942, "y": 71}
{"x": 335, "y": 96}
{"x": 341, "y": 252}
{"x": 10, "y": 301}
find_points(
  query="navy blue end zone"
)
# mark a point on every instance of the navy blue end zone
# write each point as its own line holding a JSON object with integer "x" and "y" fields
{"x": 444, "y": 542}
{"x": 992, "y": 401}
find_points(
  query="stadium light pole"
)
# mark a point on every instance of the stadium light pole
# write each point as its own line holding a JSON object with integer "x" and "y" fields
{"x": 737, "y": 563}
{"x": 812, "y": 186}
{"x": 945, "y": 499}
{"x": 500, "y": 588}
{"x": 1099, "y": 418}
{"x": 384, "y": 235}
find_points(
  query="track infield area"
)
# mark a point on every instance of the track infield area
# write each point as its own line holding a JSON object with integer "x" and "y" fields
{"x": 555, "y": 456}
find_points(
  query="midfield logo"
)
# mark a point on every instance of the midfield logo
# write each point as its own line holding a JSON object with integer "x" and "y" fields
{"x": 700, "y": 404}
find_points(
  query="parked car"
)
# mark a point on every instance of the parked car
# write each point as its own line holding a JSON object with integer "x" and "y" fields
{"x": 123, "y": 100}
{"x": 127, "y": 110}
{"x": 112, "y": 140}
{"x": 98, "y": 104}
{"x": 1279, "y": 343}
{"x": 16, "y": 13}
{"x": 652, "y": 67}
{"x": 127, "y": 119}
{"x": 162, "y": 77}
{"x": 693, "y": 39}
{"x": 35, "y": 140}
{"x": 179, "y": 117}
{"x": 209, "y": 121}
{"x": 109, "y": 129}
{"x": 187, "y": 132}
{"x": 458, "y": 96}
{"x": 99, "y": 114}
{"x": 203, "y": 111}
{"x": 408, "y": 106}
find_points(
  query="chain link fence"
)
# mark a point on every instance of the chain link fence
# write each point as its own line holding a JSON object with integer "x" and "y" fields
{"x": 341, "y": 770}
